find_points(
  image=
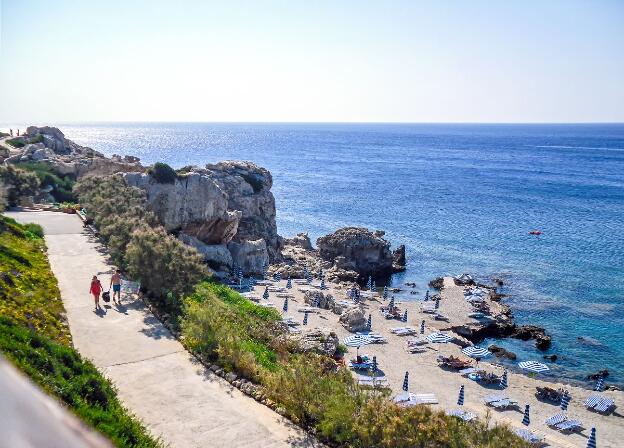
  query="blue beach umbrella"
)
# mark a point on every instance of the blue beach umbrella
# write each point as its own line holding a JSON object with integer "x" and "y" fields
{"x": 526, "y": 420}
{"x": 285, "y": 307}
{"x": 373, "y": 286}
{"x": 323, "y": 284}
{"x": 405, "y": 316}
{"x": 460, "y": 399}
{"x": 391, "y": 304}
{"x": 370, "y": 322}
{"x": 374, "y": 364}
{"x": 289, "y": 283}
{"x": 305, "y": 318}
{"x": 369, "y": 284}
{"x": 427, "y": 296}
{"x": 385, "y": 292}
{"x": 565, "y": 401}
{"x": 278, "y": 276}
{"x": 599, "y": 384}
{"x": 503, "y": 381}
{"x": 422, "y": 327}
{"x": 591, "y": 442}
{"x": 437, "y": 303}
{"x": 321, "y": 275}
{"x": 265, "y": 296}
{"x": 406, "y": 382}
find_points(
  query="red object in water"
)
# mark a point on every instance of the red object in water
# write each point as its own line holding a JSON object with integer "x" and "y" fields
{"x": 535, "y": 232}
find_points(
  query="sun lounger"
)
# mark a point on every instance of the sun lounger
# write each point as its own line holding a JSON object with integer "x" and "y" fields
{"x": 412, "y": 349}
{"x": 425, "y": 399}
{"x": 380, "y": 381}
{"x": 529, "y": 436}
{"x": 599, "y": 403}
{"x": 439, "y": 316}
{"x": 428, "y": 307}
{"x": 504, "y": 404}
{"x": 466, "y": 416}
{"x": 307, "y": 309}
{"x": 416, "y": 341}
{"x": 294, "y": 330}
{"x": 493, "y": 398}
{"x": 569, "y": 426}
{"x": 556, "y": 419}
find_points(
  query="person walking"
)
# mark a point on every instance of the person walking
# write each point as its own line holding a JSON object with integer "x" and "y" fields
{"x": 116, "y": 285}
{"x": 96, "y": 290}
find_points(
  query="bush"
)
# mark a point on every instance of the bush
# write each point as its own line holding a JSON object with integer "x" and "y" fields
{"x": 162, "y": 173}
{"x": 61, "y": 372}
{"x": 17, "y": 142}
{"x": 62, "y": 184}
{"x": 20, "y": 183}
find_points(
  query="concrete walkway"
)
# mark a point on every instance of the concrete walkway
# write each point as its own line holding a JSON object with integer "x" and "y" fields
{"x": 157, "y": 379}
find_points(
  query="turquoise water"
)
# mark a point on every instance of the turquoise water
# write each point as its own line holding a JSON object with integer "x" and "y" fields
{"x": 462, "y": 198}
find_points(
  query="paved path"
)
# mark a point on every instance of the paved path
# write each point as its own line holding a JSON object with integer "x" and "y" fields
{"x": 157, "y": 379}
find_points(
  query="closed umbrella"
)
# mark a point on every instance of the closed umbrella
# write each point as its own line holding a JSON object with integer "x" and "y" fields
{"x": 405, "y": 316}
{"x": 422, "y": 327}
{"x": 406, "y": 382}
{"x": 460, "y": 399}
{"x": 373, "y": 286}
{"x": 265, "y": 296}
{"x": 370, "y": 322}
{"x": 285, "y": 307}
{"x": 565, "y": 401}
{"x": 391, "y": 304}
{"x": 526, "y": 419}
{"x": 369, "y": 284}
{"x": 323, "y": 284}
{"x": 591, "y": 442}
{"x": 385, "y": 292}
{"x": 503, "y": 381}
{"x": 305, "y": 318}
{"x": 374, "y": 364}
{"x": 437, "y": 303}
{"x": 599, "y": 384}
{"x": 289, "y": 283}
{"x": 427, "y": 296}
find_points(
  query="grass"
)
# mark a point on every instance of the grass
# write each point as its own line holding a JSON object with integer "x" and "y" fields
{"x": 35, "y": 337}
{"x": 61, "y": 372}
{"x": 62, "y": 185}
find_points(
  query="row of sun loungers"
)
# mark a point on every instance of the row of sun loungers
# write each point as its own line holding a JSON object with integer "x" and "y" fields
{"x": 409, "y": 399}
{"x": 403, "y": 331}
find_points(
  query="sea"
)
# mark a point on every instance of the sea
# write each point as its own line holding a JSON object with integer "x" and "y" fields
{"x": 461, "y": 197}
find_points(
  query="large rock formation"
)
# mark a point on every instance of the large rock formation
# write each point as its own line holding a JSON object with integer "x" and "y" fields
{"x": 354, "y": 319}
{"x": 362, "y": 251}
{"x": 317, "y": 340}
{"x": 251, "y": 256}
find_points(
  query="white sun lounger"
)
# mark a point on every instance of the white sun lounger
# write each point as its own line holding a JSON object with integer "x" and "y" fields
{"x": 425, "y": 399}
{"x": 307, "y": 309}
{"x": 599, "y": 403}
{"x": 428, "y": 307}
{"x": 364, "y": 380}
{"x": 494, "y": 398}
{"x": 416, "y": 341}
{"x": 503, "y": 404}
{"x": 529, "y": 436}
{"x": 569, "y": 426}
{"x": 466, "y": 416}
{"x": 556, "y": 419}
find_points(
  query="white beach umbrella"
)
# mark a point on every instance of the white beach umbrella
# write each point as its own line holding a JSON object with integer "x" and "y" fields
{"x": 439, "y": 338}
{"x": 533, "y": 366}
{"x": 476, "y": 352}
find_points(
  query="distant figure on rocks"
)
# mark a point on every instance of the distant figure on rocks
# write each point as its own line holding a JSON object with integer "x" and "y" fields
{"x": 11, "y": 132}
{"x": 116, "y": 284}
{"x": 96, "y": 290}
{"x": 18, "y": 132}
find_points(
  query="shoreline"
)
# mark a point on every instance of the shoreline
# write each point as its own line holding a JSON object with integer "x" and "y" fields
{"x": 426, "y": 377}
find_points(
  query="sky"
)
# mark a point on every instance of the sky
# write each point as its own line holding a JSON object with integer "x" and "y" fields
{"x": 322, "y": 61}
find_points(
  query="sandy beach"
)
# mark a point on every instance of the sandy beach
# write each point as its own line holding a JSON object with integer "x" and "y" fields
{"x": 427, "y": 377}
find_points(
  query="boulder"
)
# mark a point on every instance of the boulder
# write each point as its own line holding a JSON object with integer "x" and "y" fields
{"x": 317, "y": 298}
{"x": 500, "y": 352}
{"x": 367, "y": 252}
{"x": 53, "y": 138}
{"x": 248, "y": 190}
{"x": 251, "y": 256}
{"x": 301, "y": 240}
{"x": 317, "y": 340}
{"x": 193, "y": 204}
{"x": 217, "y": 256}
{"x": 398, "y": 259}
{"x": 354, "y": 319}
{"x": 437, "y": 283}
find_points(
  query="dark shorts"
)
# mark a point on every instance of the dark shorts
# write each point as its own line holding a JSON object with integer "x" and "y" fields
{"x": 116, "y": 288}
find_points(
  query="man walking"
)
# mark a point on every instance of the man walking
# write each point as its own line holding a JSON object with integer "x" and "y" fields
{"x": 116, "y": 284}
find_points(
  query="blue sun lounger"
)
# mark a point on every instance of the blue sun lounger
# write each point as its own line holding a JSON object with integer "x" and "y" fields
{"x": 569, "y": 426}
{"x": 599, "y": 403}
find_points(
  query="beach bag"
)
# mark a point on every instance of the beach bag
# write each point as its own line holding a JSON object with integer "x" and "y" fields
{"x": 106, "y": 296}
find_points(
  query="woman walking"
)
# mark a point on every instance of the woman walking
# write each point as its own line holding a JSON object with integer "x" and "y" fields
{"x": 96, "y": 290}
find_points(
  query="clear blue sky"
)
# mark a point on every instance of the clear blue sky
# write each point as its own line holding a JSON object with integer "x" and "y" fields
{"x": 405, "y": 61}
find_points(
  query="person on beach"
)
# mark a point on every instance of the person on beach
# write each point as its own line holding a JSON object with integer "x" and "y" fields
{"x": 116, "y": 285}
{"x": 96, "y": 290}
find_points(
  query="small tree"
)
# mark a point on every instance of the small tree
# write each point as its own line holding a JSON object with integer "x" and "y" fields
{"x": 20, "y": 183}
{"x": 162, "y": 173}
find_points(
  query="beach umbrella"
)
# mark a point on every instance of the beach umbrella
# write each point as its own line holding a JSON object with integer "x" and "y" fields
{"x": 591, "y": 442}
{"x": 526, "y": 420}
{"x": 357, "y": 340}
{"x": 385, "y": 292}
{"x": 437, "y": 303}
{"x": 305, "y": 270}
{"x": 391, "y": 304}
{"x": 406, "y": 382}
{"x": 565, "y": 401}
{"x": 373, "y": 286}
{"x": 405, "y": 316}
{"x": 323, "y": 284}
{"x": 305, "y": 318}
{"x": 599, "y": 384}
{"x": 533, "y": 366}
{"x": 374, "y": 364}
{"x": 427, "y": 296}
{"x": 285, "y": 307}
{"x": 460, "y": 399}
{"x": 422, "y": 327}
{"x": 266, "y": 293}
{"x": 320, "y": 274}
{"x": 278, "y": 276}
{"x": 439, "y": 338}
{"x": 369, "y": 283}
{"x": 503, "y": 381}
{"x": 370, "y": 322}
{"x": 289, "y": 283}
{"x": 476, "y": 352}
{"x": 309, "y": 278}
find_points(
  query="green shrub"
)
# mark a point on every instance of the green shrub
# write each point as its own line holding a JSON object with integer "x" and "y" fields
{"x": 36, "y": 139}
{"x": 61, "y": 372}
{"x": 162, "y": 173}
{"x": 62, "y": 184}
{"x": 17, "y": 142}
{"x": 19, "y": 183}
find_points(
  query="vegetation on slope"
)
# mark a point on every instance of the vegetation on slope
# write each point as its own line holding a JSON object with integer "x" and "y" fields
{"x": 35, "y": 337}
{"x": 19, "y": 183}
{"x": 62, "y": 185}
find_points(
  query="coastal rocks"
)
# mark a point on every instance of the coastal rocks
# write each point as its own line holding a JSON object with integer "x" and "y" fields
{"x": 526, "y": 332}
{"x": 194, "y": 204}
{"x": 600, "y": 374}
{"x": 52, "y": 138}
{"x": 500, "y": 352}
{"x": 301, "y": 240}
{"x": 317, "y": 340}
{"x": 251, "y": 256}
{"x": 464, "y": 280}
{"x": 354, "y": 320}
{"x": 217, "y": 256}
{"x": 437, "y": 283}
{"x": 364, "y": 252}
{"x": 320, "y": 300}
{"x": 248, "y": 190}
{"x": 503, "y": 327}
{"x": 398, "y": 259}
{"x": 551, "y": 358}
